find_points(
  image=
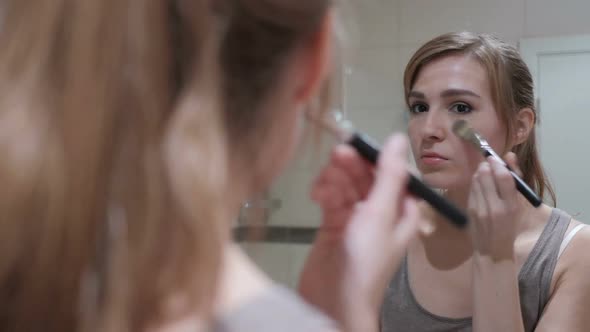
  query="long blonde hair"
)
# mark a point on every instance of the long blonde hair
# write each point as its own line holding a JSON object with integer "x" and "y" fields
{"x": 115, "y": 153}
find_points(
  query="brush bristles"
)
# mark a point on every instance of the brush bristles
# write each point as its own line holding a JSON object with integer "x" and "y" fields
{"x": 462, "y": 129}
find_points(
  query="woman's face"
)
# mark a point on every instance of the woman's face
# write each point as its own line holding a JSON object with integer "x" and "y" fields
{"x": 448, "y": 89}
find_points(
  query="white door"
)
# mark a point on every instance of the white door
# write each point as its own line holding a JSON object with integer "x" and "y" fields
{"x": 561, "y": 71}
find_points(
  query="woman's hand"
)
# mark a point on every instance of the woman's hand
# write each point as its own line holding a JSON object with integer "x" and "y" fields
{"x": 493, "y": 209}
{"x": 368, "y": 220}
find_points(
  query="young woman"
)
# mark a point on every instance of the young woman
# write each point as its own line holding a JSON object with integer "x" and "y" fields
{"x": 131, "y": 133}
{"x": 517, "y": 268}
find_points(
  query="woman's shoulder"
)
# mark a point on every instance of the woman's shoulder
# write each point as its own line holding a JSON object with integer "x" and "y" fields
{"x": 573, "y": 260}
{"x": 576, "y": 239}
{"x": 250, "y": 301}
{"x": 576, "y": 243}
{"x": 276, "y": 309}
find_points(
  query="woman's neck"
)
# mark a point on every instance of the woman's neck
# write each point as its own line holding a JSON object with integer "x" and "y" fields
{"x": 443, "y": 228}
{"x": 458, "y": 196}
{"x": 447, "y": 246}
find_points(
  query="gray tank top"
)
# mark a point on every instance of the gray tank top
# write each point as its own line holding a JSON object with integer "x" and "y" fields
{"x": 401, "y": 311}
{"x": 279, "y": 309}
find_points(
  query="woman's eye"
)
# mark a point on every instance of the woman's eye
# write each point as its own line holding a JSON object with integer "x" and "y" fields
{"x": 461, "y": 108}
{"x": 418, "y": 108}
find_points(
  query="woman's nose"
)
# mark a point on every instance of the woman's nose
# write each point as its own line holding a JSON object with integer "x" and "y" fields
{"x": 434, "y": 126}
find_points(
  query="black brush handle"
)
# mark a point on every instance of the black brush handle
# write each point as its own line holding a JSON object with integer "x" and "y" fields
{"x": 369, "y": 150}
{"x": 524, "y": 188}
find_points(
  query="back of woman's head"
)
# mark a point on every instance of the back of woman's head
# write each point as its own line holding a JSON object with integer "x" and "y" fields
{"x": 511, "y": 89}
{"x": 114, "y": 144}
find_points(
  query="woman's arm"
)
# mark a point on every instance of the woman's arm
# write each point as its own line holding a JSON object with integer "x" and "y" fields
{"x": 569, "y": 306}
{"x": 496, "y": 300}
{"x": 368, "y": 220}
{"x": 493, "y": 209}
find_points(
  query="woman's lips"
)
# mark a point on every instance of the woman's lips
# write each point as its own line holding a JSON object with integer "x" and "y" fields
{"x": 432, "y": 159}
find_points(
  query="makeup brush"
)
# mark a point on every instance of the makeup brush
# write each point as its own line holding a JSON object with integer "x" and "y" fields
{"x": 461, "y": 128}
{"x": 343, "y": 130}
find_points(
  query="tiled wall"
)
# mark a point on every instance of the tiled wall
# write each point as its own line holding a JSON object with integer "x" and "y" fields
{"x": 390, "y": 31}
{"x": 281, "y": 261}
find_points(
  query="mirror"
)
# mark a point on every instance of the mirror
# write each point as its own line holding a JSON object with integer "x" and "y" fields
{"x": 552, "y": 36}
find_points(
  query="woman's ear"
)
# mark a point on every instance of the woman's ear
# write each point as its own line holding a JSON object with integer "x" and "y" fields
{"x": 313, "y": 60}
{"x": 525, "y": 121}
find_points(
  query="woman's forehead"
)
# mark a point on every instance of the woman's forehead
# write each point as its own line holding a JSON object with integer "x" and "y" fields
{"x": 452, "y": 72}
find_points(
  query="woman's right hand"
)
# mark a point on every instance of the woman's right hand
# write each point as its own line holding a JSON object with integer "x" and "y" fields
{"x": 368, "y": 220}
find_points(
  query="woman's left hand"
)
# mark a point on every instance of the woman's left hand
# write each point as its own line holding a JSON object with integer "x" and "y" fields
{"x": 493, "y": 207}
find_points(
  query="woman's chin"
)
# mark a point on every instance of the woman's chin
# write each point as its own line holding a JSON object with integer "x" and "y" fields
{"x": 440, "y": 180}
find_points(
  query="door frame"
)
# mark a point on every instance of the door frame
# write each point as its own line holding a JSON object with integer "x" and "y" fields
{"x": 532, "y": 49}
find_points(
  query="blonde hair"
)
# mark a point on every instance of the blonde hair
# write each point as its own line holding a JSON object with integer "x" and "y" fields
{"x": 511, "y": 88}
{"x": 115, "y": 145}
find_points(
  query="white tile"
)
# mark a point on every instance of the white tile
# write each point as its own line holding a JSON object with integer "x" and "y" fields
{"x": 422, "y": 20}
{"x": 297, "y": 209}
{"x": 379, "y": 123}
{"x": 299, "y": 256}
{"x": 281, "y": 262}
{"x": 313, "y": 151}
{"x": 372, "y": 79}
{"x": 275, "y": 260}
{"x": 377, "y": 23}
{"x": 552, "y": 18}
{"x": 292, "y": 188}
{"x": 406, "y": 52}
{"x": 380, "y": 32}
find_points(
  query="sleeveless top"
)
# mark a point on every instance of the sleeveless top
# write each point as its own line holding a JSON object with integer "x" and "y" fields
{"x": 401, "y": 311}
{"x": 278, "y": 309}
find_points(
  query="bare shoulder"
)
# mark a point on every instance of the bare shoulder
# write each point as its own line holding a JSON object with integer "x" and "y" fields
{"x": 241, "y": 282}
{"x": 566, "y": 309}
{"x": 577, "y": 248}
{"x": 574, "y": 262}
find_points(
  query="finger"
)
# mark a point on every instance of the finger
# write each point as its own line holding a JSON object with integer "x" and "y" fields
{"x": 391, "y": 178}
{"x": 332, "y": 198}
{"x": 335, "y": 180}
{"x": 488, "y": 187}
{"x": 504, "y": 181}
{"x": 409, "y": 225}
{"x": 473, "y": 206}
{"x": 324, "y": 198}
{"x": 343, "y": 184}
{"x": 475, "y": 196}
{"x": 480, "y": 206}
{"x": 512, "y": 161}
{"x": 359, "y": 170}
{"x": 318, "y": 186}
{"x": 321, "y": 191}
